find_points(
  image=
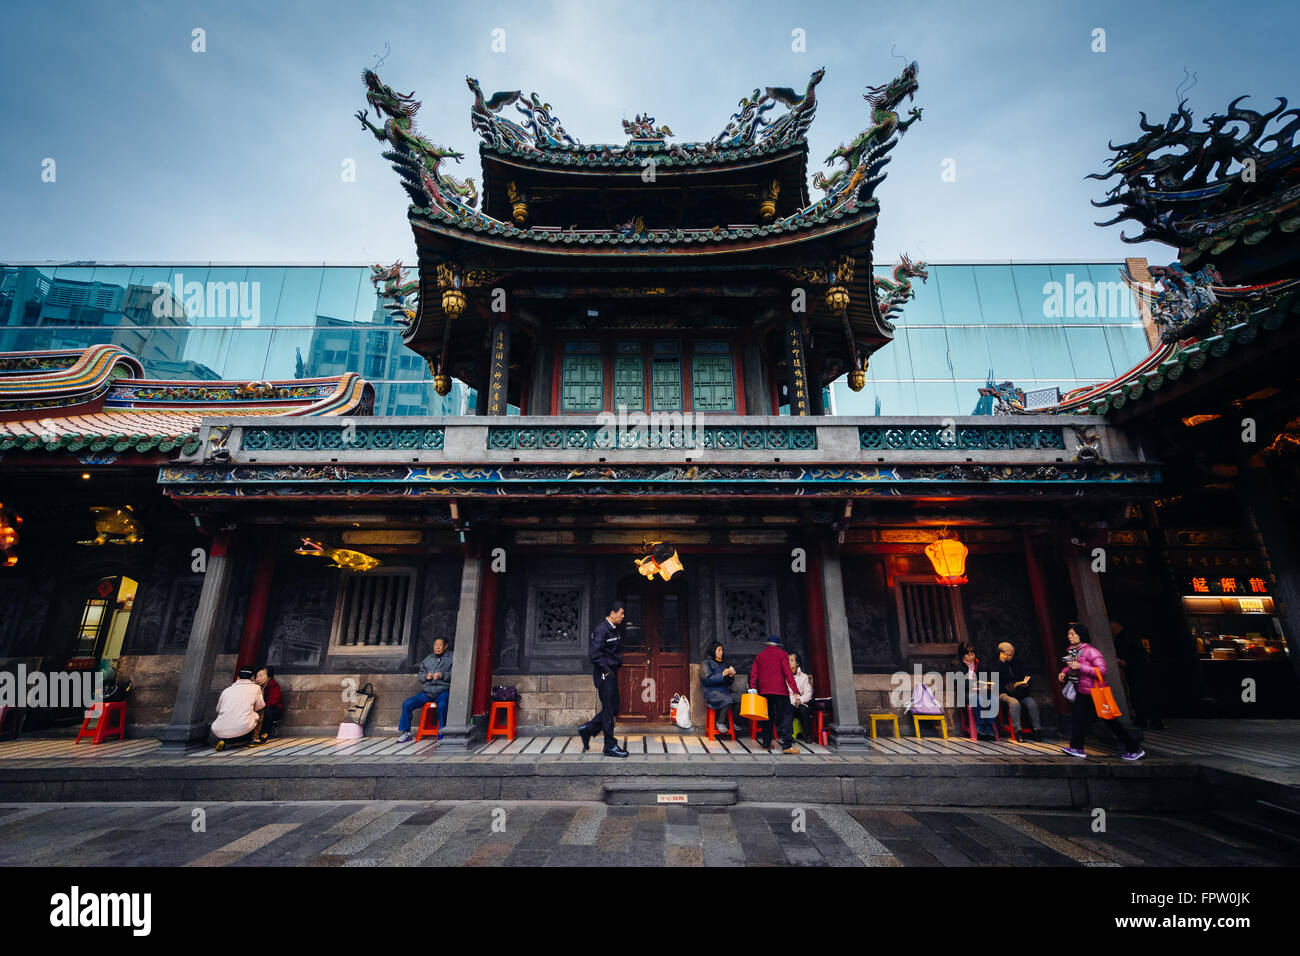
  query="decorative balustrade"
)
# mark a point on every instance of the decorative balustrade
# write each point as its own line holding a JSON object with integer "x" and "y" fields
{"x": 650, "y": 436}
{"x": 958, "y": 438}
{"x": 344, "y": 436}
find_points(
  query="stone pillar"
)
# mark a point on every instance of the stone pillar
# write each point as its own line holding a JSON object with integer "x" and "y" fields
{"x": 498, "y": 386}
{"x": 455, "y": 735}
{"x": 796, "y": 369}
{"x": 846, "y": 732}
{"x": 187, "y": 723}
{"x": 1269, "y": 527}
{"x": 1091, "y": 605}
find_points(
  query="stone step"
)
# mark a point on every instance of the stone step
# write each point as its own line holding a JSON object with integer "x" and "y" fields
{"x": 1263, "y": 821}
{"x": 666, "y": 791}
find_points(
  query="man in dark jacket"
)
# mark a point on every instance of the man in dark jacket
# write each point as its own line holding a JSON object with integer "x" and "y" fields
{"x": 435, "y": 675}
{"x": 606, "y": 653}
{"x": 1013, "y": 690}
{"x": 771, "y": 676}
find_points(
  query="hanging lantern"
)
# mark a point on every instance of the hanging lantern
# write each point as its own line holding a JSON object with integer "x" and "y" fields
{"x": 453, "y": 303}
{"x": 518, "y": 205}
{"x": 9, "y": 525}
{"x": 442, "y": 384}
{"x": 857, "y": 379}
{"x": 767, "y": 208}
{"x": 662, "y": 560}
{"x": 948, "y": 555}
{"x": 837, "y": 299}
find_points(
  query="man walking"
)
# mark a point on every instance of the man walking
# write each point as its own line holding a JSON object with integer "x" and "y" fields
{"x": 771, "y": 676}
{"x": 606, "y": 653}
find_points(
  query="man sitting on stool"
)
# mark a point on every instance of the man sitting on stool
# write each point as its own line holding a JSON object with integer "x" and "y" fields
{"x": 1013, "y": 690}
{"x": 436, "y": 673}
{"x": 239, "y": 711}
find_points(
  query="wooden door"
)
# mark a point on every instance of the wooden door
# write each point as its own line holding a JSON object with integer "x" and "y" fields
{"x": 655, "y": 644}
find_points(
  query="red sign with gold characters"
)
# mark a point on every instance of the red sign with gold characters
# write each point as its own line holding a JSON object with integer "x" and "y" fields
{"x": 1229, "y": 586}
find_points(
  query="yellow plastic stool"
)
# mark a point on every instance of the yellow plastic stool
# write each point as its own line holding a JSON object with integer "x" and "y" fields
{"x": 943, "y": 723}
{"x": 876, "y": 717}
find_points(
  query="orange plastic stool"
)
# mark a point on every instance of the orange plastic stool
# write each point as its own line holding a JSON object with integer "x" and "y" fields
{"x": 506, "y": 707}
{"x": 710, "y": 724}
{"x": 112, "y": 722}
{"x": 428, "y": 728}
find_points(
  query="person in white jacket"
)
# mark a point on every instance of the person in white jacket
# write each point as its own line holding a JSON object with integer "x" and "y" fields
{"x": 802, "y": 701}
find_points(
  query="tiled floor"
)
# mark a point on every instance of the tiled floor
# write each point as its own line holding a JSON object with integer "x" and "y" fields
{"x": 1264, "y": 743}
{"x": 587, "y": 834}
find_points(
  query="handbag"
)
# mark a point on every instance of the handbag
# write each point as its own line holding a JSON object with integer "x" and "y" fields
{"x": 1103, "y": 701}
{"x": 362, "y": 703}
{"x": 1069, "y": 691}
{"x": 753, "y": 704}
{"x": 505, "y": 693}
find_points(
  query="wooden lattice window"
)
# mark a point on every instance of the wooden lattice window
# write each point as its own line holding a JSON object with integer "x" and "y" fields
{"x": 629, "y": 383}
{"x": 713, "y": 383}
{"x": 374, "y": 612}
{"x": 666, "y": 385}
{"x": 582, "y": 384}
{"x": 930, "y": 618}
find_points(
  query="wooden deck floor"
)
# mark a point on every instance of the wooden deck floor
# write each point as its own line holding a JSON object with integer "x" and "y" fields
{"x": 1271, "y": 743}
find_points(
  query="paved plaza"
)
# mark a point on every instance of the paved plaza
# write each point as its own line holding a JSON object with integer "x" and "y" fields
{"x": 481, "y": 833}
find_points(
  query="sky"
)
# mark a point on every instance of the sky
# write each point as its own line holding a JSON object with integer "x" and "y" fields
{"x": 237, "y": 153}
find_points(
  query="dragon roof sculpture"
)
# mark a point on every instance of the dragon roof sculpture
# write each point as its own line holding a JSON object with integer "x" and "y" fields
{"x": 1231, "y": 184}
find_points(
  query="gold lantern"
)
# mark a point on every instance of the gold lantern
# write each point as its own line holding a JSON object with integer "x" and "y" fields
{"x": 442, "y": 384}
{"x": 948, "y": 555}
{"x": 453, "y": 303}
{"x": 518, "y": 205}
{"x": 767, "y": 208}
{"x": 837, "y": 299}
{"x": 662, "y": 560}
{"x": 9, "y": 525}
{"x": 857, "y": 379}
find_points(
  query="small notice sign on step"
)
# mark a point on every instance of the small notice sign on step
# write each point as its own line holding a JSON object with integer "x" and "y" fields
{"x": 672, "y": 798}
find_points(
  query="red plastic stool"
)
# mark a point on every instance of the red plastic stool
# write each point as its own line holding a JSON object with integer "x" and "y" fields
{"x": 111, "y": 722}
{"x": 428, "y": 728}
{"x": 970, "y": 726}
{"x": 710, "y": 724}
{"x": 506, "y": 707}
{"x": 1004, "y": 712}
{"x": 823, "y": 738}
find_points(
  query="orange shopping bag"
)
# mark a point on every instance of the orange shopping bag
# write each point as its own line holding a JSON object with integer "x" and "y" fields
{"x": 1103, "y": 701}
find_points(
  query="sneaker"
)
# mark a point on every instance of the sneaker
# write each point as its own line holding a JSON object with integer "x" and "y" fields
{"x": 1072, "y": 752}
{"x": 405, "y": 738}
{"x": 790, "y": 750}
{"x": 1134, "y": 756}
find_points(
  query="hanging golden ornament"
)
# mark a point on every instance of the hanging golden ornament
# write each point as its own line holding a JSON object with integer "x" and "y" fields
{"x": 857, "y": 379}
{"x": 453, "y": 303}
{"x": 837, "y": 299}
{"x": 767, "y": 208}
{"x": 518, "y": 204}
{"x": 442, "y": 384}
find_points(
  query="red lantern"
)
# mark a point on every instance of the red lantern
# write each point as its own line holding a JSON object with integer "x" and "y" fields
{"x": 948, "y": 555}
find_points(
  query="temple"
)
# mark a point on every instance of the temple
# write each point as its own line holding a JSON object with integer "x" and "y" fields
{"x": 649, "y": 333}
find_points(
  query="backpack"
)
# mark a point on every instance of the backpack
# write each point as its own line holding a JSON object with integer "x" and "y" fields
{"x": 363, "y": 701}
{"x": 923, "y": 701}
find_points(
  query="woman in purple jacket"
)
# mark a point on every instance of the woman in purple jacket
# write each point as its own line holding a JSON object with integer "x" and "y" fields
{"x": 1084, "y": 665}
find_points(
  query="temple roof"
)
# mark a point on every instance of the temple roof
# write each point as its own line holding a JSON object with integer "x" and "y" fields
{"x": 92, "y": 400}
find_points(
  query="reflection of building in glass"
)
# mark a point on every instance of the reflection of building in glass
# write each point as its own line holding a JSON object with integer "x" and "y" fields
{"x": 375, "y": 350}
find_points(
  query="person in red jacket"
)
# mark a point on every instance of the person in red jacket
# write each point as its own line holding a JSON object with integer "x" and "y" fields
{"x": 274, "y": 701}
{"x": 771, "y": 676}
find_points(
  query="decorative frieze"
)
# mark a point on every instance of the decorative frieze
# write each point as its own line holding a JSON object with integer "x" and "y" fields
{"x": 343, "y": 436}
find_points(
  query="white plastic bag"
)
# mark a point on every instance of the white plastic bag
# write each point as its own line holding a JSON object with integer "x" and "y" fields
{"x": 681, "y": 711}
